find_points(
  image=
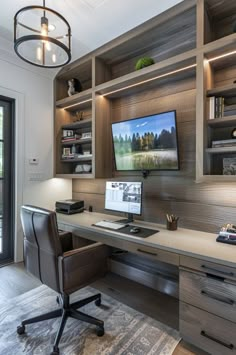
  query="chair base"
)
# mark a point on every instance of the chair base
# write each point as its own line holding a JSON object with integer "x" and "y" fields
{"x": 67, "y": 310}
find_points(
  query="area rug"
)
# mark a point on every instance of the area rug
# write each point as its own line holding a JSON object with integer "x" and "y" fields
{"x": 127, "y": 332}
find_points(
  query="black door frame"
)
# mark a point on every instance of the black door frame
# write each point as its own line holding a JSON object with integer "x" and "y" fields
{"x": 8, "y": 180}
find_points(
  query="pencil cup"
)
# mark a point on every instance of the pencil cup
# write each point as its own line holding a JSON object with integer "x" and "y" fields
{"x": 171, "y": 226}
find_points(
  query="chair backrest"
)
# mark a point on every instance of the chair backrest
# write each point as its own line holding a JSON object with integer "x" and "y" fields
{"x": 41, "y": 244}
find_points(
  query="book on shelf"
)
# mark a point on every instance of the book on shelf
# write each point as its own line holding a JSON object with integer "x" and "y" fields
{"x": 68, "y": 139}
{"x": 211, "y": 107}
{"x": 216, "y": 107}
{"x": 224, "y": 143}
{"x": 219, "y": 107}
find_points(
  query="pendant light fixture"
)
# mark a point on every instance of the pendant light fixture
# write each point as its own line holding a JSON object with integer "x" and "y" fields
{"x": 42, "y": 37}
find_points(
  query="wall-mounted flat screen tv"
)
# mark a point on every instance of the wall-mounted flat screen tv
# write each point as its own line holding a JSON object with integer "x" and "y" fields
{"x": 146, "y": 143}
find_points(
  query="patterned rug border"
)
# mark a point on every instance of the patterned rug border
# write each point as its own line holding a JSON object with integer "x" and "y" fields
{"x": 127, "y": 331}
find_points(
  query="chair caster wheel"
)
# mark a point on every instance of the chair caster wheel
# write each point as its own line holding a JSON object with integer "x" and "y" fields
{"x": 98, "y": 302}
{"x": 100, "y": 331}
{"x": 20, "y": 329}
{"x": 55, "y": 351}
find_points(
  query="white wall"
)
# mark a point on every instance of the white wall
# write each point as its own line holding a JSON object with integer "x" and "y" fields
{"x": 33, "y": 92}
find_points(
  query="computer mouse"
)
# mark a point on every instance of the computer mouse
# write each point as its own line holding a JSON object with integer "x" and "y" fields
{"x": 134, "y": 230}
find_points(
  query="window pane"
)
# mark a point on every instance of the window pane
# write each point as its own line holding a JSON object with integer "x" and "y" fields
{"x": 1, "y": 122}
{"x": 1, "y": 159}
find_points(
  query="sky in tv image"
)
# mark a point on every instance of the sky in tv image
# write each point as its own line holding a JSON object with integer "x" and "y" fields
{"x": 148, "y": 143}
{"x": 142, "y": 125}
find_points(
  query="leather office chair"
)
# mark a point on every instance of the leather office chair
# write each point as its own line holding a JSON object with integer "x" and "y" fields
{"x": 49, "y": 256}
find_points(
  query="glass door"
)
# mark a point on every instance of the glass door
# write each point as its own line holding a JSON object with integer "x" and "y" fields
{"x": 6, "y": 179}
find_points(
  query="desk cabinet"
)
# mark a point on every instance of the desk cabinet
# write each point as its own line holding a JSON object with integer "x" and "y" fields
{"x": 208, "y": 305}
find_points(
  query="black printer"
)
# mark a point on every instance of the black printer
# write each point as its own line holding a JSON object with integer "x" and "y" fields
{"x": 69, "y": 206}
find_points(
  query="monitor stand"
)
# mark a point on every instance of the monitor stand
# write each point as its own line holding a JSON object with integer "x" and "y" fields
{"x": 130, "y": 219}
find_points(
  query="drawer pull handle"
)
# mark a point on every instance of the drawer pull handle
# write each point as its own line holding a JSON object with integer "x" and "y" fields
{"x": 229, "y": 346}
{"x": 147, "y": 252}
{"x": 217, "y": 298}
{"x": 219, "y": 271}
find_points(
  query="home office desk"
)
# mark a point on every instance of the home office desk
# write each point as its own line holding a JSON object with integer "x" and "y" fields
{"x": 207, "y": 275}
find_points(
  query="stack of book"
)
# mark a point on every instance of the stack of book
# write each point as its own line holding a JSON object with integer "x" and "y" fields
{"x": 216, "y": 107}
{"x": 227, "y": 235}
{"x": 68, "y": 139}
{"x": 224, "y": 143}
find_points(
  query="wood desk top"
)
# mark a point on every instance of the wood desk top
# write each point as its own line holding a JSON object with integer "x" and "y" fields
{"x": 182, "y": 241}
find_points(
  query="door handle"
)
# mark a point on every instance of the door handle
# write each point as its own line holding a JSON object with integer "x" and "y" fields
{"x": 229, "y": 346}
{"x": 215, "y": 270}
{"x": 217, "y": 298}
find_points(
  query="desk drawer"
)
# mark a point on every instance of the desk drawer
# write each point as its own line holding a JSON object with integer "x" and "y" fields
{"x": 152, "y": 253}
{"x": 208, "y": 267}
{"x": 210, "y": 333}
{"x": 211, "y": 294}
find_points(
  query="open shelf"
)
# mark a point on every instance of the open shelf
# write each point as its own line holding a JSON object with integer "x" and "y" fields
{"x": 78, "y": 124}
{"x": 85, "y": 158}
{"x": 163, "y": 37}
{"x": 82, "y": 99}
{"x": 75, "y": 176}
{"x": 226, "y": 91}
{"x": 220, "y": 46}
{"x": 180, "y": 66}
{"x": 77, "y": 141}
{"x": 222, "y": 122}
{"x": 219, "y": 19}
{"x": 221, "y": 150}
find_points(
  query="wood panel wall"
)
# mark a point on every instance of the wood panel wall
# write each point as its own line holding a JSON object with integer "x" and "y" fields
{"x": 202, "y": 206}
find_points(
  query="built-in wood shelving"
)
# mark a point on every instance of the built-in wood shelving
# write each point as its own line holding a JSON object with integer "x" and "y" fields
{"x": 226, "y": 91}
{"x": 182, "y": 65}
{"x": 77, "y": 141}
{"x": 77, "y": 100}
{"x": 181, "y": 46}
{"x": 227, "y": 121}
{"x": 221, "y": 150}
{"x": 76, "y": 160}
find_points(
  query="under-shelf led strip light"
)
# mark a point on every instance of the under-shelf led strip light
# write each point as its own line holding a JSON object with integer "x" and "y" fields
{"x": 79, "y": 103}
{"x": 151, "y": 79}
{"x": 221, "y": 56}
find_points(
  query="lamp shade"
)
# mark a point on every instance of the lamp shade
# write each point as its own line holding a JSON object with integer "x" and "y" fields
{"x": 42, "y": 37}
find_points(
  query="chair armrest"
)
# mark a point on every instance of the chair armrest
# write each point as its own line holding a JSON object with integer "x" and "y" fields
{"x": 66, "y": 240}
{"x": 80, "y": 267}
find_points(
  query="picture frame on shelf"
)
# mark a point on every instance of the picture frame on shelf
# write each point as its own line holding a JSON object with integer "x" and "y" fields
{"x": 229, "y": 166}
{"x": 86, "y": 135}
{"x": 66, "y": 151}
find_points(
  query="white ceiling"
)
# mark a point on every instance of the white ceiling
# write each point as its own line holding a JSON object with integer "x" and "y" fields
{"x": 93, "y": 22}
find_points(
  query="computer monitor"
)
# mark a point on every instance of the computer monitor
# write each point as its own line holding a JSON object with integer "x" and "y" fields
{"x": 124, "y": 197}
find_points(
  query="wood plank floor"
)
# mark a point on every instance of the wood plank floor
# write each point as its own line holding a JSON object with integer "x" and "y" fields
{"x": 15, "y": 281}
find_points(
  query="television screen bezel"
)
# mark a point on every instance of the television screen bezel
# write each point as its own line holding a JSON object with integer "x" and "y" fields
{"x": 144, "y": 169}
{"x": 141, "y": 209}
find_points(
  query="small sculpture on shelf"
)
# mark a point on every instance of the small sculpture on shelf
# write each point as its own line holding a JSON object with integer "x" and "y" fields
{"x": 78, "y": 116}
{"x": 144, "y": 62}
{"x": 74, "y": 86}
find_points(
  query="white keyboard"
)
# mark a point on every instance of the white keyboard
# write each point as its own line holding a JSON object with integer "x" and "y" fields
{"x": 110, "y": 225}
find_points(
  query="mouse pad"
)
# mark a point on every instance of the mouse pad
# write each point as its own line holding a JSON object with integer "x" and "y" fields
{"x": 144, "y": 232}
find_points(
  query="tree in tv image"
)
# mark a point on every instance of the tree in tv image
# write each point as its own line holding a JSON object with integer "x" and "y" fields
{"x": 148, "y": 143}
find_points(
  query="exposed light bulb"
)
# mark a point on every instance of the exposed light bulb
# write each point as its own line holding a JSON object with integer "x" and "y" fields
{"x": 48, "y": 46}
{"x": 54, "y": 58}
{"x": 44, "y": 26}
{"x": 39, "y": 53}
{"x": 51, "y": 27}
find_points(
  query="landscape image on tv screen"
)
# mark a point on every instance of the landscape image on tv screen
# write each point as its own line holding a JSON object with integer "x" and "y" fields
{"x": 146, "y": 143}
